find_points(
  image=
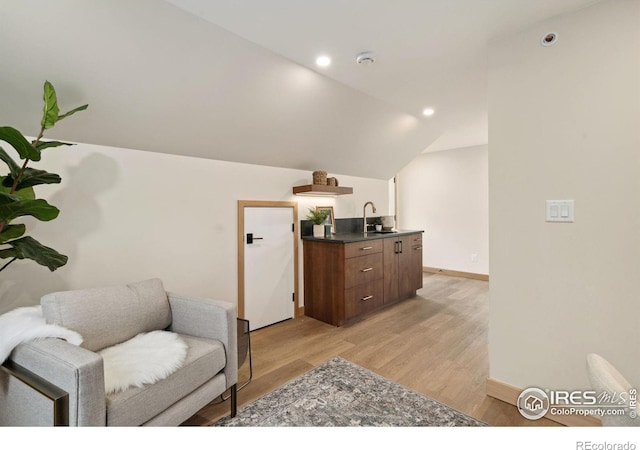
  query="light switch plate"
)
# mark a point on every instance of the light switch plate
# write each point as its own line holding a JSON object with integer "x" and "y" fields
{"x": 560, "y": 211}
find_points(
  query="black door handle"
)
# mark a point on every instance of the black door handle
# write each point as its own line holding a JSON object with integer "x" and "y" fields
{"x": 250, "y": 238}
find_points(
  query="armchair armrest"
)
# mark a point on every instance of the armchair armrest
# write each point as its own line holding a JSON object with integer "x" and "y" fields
{"x": 59, "y": 399}
{"x": 209, "y": 319}
{"x": 73, "y": 369}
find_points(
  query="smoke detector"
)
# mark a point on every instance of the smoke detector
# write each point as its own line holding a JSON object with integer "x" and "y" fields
{"x": 366, "y": 58}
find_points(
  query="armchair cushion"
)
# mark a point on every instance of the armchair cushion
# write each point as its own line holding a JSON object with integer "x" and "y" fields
{"x": 144, "y": 359}
{"x": 109, "y": 315}
{"x": 140, "y": 404}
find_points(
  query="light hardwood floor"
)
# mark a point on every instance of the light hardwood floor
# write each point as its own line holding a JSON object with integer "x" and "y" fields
{"x": 434, "y": 343}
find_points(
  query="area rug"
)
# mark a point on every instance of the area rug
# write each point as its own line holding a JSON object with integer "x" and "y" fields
{"x": 339, "y": 393}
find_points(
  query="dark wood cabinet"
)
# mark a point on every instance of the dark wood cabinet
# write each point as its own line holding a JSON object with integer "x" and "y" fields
{"x": 391, "y": 271}
{"x": 344, "y": 281}
{"x": 415, "y": 268}
{"x": 323, "y": 266}
{"x": 402, "y": 267}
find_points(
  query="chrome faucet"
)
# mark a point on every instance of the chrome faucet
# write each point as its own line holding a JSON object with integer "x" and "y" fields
{"x": 364, "y": 215}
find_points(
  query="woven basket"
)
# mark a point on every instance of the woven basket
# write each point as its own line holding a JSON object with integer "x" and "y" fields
{"x": 320, "y": 177}
{"x": 332, "y": 181}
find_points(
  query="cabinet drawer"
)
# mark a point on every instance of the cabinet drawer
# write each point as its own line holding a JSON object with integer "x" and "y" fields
{"x": 362, "y": 269}
{"x": 362, "y": 248}
{"x": 362, "y": 299}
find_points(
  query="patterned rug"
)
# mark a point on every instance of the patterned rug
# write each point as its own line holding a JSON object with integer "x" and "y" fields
{"x": 339, "y": 393}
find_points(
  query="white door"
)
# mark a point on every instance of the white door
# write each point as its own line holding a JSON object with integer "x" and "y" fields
{"x": 268, "y": 265}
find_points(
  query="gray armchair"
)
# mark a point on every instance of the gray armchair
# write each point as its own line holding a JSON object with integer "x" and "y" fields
{"x": 112, "y": 315}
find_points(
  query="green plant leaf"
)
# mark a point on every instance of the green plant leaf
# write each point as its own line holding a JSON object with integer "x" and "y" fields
{"x": 8, "y": 253}
{"x": 32, "y": 177}
{"x": 12, "y": 232}
{"x": 50, "y": 111}
{"x": 317, "y": 217}
{"x": 20, "y": 143}
{"x": 3, "y": 189}
{"x": 14, "y": 168}
{"x": 12, "y": 206}
{"x": 27, "y": 247}
{"x": 27, "y": 193}
{"x": 73, "y": 111}
{"x": 6, "y": 198}
{"x": 42, "y": 145}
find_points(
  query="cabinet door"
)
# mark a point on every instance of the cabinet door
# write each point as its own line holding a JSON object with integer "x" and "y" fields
{"x": 406, "y": 272}
{"x": 416, "y": 261}
{"x": 390, "y": 257}
{"x": 402, "y": 267}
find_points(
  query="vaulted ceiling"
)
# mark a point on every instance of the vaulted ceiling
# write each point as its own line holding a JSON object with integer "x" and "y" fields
{"x": 235, "y": 80}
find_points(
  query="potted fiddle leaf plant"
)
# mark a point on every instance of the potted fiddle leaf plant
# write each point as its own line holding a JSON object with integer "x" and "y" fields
{"x": 17, "y": 195}
{"x": 318, "y": 217}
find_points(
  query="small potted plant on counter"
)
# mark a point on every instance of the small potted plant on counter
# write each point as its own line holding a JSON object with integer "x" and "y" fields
{"x": 378, "y": 223}
{"x": 318, "y": 218}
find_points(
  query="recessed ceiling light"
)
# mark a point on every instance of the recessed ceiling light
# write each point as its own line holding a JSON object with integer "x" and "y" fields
{"x": 549, "y": 39}
{"x": 428, "y": 112}
{"x": 323, "y": 61}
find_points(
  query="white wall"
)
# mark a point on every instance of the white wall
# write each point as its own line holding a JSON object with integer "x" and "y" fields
{"x": 565, "y": 124}
{"x": 446, "y": 194}
{"x": 128, "y": 215}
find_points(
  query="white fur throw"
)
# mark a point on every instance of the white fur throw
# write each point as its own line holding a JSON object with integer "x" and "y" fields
{"x": 143, "y": 359}
{"x": 27, "y": 324}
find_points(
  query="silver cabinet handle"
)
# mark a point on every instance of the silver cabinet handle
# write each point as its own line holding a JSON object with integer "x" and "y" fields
{"x": 368, "y": 297}
{"x": 366, "y": 248}
{"x": 418, "y": 247}
{"x": 368, "y": 269}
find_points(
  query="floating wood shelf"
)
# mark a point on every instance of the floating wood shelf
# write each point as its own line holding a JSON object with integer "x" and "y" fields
{"x": 321, "y": 189}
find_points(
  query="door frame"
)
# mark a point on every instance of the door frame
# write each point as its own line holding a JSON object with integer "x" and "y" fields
{"x": 242, "y": 204}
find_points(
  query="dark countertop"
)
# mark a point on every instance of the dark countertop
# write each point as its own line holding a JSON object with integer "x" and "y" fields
{"x": 345, "y": 238}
